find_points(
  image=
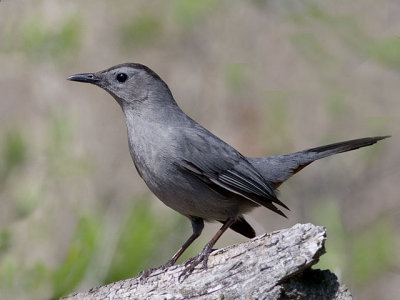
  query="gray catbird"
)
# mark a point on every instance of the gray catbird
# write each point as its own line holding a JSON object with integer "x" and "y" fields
{"x": 190, "y": 169}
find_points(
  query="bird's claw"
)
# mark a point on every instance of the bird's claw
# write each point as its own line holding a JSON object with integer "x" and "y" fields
{"x": 191, "y": 264}
{"x": 146, "y": 273}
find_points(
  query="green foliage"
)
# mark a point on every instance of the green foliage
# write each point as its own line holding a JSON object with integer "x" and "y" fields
{"x": 373, "y": 250}
{"x": 14, "y": 152}
{"x": 61, "y": 162}
{"x": 377, "y": 125}
{"x": 361, "y": 254}
{"x": 7, "y": 36}
{"x": 329, "y": 215}
{"x": 188, "y": 12}
{"x": 336, "y": 104}
{"x": 385, "y": 51}
{"x": 138, "y": 241}
{"x": 60, "y": 133}
{"x": 8, "y": 270}
{"x": 42, "y": 41}
{"x": 312, "y": 49}
{"x": 235, "y": 76}
{"x": 27, "y": 199}
{"x": 19, "y": 277}
{"x": 277, "y": 117}
{"x": 5, "y": 240}
{"x": 81, "y": 249}
{"x": 35, "y": 277}
{"x": 141, "y": 30}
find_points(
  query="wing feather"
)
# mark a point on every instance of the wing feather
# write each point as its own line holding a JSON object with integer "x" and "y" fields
{"x": 221, "y": 167}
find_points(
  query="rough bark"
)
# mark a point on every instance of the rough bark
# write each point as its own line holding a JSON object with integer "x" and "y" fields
{"x": 275, "y": 265}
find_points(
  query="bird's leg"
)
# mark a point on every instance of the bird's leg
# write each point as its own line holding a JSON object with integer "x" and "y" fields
{"x": 203, "y": 255}
{"x": 197, "y": 226}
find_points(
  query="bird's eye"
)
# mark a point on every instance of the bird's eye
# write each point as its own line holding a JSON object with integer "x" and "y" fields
{"x": 121, "y": 77}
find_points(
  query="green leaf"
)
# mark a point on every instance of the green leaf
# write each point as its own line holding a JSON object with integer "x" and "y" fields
{"x": 5, "y": 240}
{"x": 81, "y": 249}
{"x": 27, "y": 199}
{"x": 235, "y": 76}
{"x": 14, "y": 150}
{"x": 42, "y": 41}
{"x": 139, "y": 237}
{"x": 328, "y": 214}
{"x": 141, "y": 30}
{"x": 188, "y": 12}
{"x": 373, "y": 250}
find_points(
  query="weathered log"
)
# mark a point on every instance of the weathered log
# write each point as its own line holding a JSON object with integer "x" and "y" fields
{"x": 275, "y": 265}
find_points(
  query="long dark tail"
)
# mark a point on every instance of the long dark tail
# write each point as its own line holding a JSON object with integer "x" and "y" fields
{"x": 277, "y": 169}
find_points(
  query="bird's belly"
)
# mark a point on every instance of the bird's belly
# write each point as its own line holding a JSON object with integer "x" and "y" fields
{"x": 191, "y": 197}
{"x": 180, "y": 191}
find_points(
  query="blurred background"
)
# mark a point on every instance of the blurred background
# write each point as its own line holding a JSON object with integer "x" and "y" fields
{"x": 269, "y": 77}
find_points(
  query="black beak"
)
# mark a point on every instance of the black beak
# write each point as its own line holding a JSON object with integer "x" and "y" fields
{"x": 85, "y": 77}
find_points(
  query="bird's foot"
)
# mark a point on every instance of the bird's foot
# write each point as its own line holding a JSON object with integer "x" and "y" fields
{"x": 146, "y": 273}
{"x": 191, "y": 264}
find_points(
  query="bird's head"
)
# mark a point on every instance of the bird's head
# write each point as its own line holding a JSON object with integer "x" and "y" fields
{"x": 127, "y": 83}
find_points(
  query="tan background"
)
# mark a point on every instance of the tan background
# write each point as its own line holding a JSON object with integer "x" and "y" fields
{"x": 269, "y": 77}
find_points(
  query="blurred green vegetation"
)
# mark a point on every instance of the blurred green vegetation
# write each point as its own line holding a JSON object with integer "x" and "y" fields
{"x": 337, "y": 105}
{"x": 328, "y": 214}
{"x": 42, "y": 41}
{"x": 33, "y": 196}
{"x": 61, "y": 162}
{"x": 136, "y": 242}
{"x": 276, "y": 130}
{"x": 313, "y": 50}
{"x": 188, "y": 12}
{"x": 141, "y": 30}
{"x": 5, "y": 240}
{"x": 361, "y": 254}
{"x": 235, "y": 77}
{"x": 385, "y": 51}
{"x": 14, "y": 153}
{"x": 372, "y": 251}
{"x": 82, "y": 247}
{"x": 27, "y": 198}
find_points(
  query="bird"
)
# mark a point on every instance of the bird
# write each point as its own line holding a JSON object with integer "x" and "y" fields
{"x": 191, "y": 170}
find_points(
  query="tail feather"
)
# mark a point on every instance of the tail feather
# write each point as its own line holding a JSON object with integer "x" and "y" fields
{"x": 241, "y": 226}
{"x": 340, "y": 147}
{"x": 277, "y": 169}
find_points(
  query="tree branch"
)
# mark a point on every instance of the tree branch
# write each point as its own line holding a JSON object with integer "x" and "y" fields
{"x": 275, "y": 265}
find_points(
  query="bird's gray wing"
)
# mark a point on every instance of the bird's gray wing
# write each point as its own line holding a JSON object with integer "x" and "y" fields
{"x": 223, "y": 168}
